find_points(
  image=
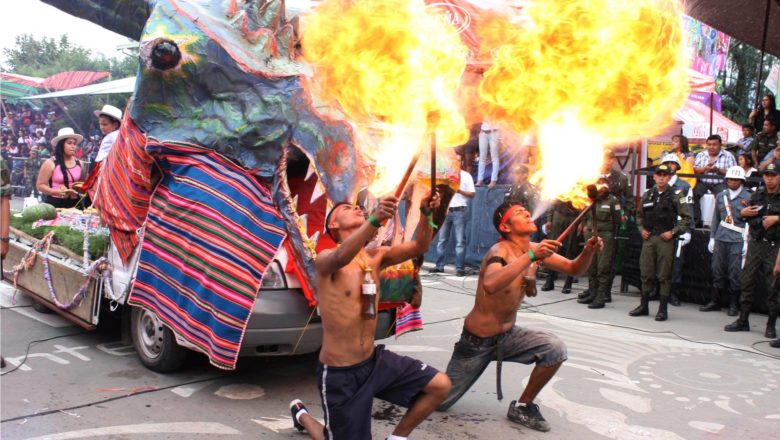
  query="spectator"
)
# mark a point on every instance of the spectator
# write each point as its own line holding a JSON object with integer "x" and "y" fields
{"x": 109, "y": 118}
{"x": 771, "y": 156}
{"x": 58, "y": 174}
{"x": 489, "y": 138}
{"x": 727, "y": 242}
{"x": 686, "y": 159}
{"x": 657, "y": 218}
{"x": 713, "y": 161}
{"x": 743, "y": 144}
{"x": 457, "y": 216}
{"x": 767, "y": 111}
{"x": 764, "y": 141}
{"x": 763, "y": 217}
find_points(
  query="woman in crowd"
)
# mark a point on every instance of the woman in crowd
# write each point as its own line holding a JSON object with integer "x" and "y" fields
{"x": 745, "y": 161}
{"x": 59, "y": 173}
{"x": 767, "y": 110}
{"x": 109, "y": 119}
{"x": 683, "y": 152}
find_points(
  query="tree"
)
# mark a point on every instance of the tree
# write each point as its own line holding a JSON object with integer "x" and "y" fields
{"x": 737, "y": 83}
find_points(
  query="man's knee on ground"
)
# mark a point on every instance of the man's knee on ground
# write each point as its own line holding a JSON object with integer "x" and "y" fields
{"x": 439, "y": 386}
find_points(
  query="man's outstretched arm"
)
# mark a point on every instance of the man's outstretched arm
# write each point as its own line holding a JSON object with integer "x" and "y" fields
{"x": 579, "y": 265}
{"x": 422, "y": 238}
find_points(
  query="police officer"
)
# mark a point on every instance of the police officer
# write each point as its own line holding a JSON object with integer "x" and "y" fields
{"x": 763, "y": 218}
{"x": 657, "y": 219}
{"x": 561, "y": 216}
{"x": 683, "y": 188}
{"x": 522, "y": 192}
{"x": 727, "y": 244}
{"x": 608, "y": 218}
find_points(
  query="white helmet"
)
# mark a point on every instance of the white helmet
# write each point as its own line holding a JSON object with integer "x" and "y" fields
{"x": 670, "y": 157}
{"x": 735, "y": 172}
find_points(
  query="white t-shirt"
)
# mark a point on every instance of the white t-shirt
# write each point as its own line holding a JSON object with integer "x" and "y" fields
{"x": 105, "y": 145}
{"x": 466, "y": 184}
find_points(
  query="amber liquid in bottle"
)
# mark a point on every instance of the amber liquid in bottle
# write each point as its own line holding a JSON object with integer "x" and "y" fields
{"x": 369, "y": 295}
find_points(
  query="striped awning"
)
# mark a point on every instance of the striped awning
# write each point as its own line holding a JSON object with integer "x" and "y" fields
{"x": 72, "y": 79}
{"x": 12, "y": 90}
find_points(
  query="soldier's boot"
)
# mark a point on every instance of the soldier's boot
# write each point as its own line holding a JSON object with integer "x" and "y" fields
{"x": 662, "y": 314}
{"x": 567, "y": 285}
{"x": 608, "y": 297}
{"x": 733, "y": 300}
{"x": 642, "y": 309}
{"x": 588, "y": 299}
{"x": 775, "y": 343}
{"x": 549, "y": 284}
{"x": 584, "y": 294}
{"x": 674, "y": 297}
{"x": 714, "y": 303}
{"x": 741, "y": 324}
{"x": 770, "y": 326}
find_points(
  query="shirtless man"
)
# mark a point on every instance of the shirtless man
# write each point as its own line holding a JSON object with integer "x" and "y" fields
{"x": 507, "y": 274}
{"x": 351, "y": 370}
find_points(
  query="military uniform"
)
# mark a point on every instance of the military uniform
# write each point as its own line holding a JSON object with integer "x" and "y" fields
{"x": 763, "y": 144}
{"x": 684, "y": 189}
{"x": 763, "y": 245}
{"x": 608, "y": 219}
{"x": 31, "y": 168}
{"x": 561, "y": 216}
{"x": 727, "y": 232}
{"x": 658, "y": 213}
{"x": 5, "y": 179}
{"x": 620, "y": 187}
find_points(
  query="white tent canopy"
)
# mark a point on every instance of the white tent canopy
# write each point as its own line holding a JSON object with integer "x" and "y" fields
{"x": 125, "y": 85}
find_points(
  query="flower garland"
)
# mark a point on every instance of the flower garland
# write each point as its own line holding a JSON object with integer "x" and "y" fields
{"x": 94, "y": 269}
{"x": 28, "y": 261}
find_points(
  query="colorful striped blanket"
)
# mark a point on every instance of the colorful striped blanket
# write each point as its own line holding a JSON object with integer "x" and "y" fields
{"x": 211, "y": 231}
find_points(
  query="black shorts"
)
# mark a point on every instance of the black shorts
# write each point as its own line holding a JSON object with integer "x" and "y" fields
{"x": 348, "y": 392}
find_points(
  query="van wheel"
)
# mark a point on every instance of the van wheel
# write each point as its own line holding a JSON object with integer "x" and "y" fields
{"x": 154, "y": 342}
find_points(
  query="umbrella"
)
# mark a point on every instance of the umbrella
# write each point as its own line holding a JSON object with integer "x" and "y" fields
{"x": 745, "y": 20}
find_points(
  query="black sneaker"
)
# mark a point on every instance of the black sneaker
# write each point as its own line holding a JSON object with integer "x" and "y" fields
{"x": 460, "y": 273}
{"x": 296, "y": 406}
{"x": 527, "y": 415}
{"x": 435, "y": 270}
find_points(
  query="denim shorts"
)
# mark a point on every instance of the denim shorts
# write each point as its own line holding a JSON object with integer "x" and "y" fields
{"x": 472, "y": 354}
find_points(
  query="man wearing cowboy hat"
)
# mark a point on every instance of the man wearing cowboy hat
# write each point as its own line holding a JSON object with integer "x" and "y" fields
{"x": 109, "y": 118}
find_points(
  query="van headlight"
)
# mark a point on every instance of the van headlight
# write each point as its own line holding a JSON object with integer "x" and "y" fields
{"x": 274, "y": 279}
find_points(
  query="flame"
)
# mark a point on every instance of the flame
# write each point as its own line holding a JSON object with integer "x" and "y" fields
{"x": 585, "y": 74}
{"x": 388, "y": 65}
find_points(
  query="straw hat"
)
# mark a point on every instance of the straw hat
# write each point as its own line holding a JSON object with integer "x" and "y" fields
{"x": 110, "y": 111}
{"x": 66, "y": 132}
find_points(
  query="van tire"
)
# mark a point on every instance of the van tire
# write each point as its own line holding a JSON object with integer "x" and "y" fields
{"x": 154, "y": 342}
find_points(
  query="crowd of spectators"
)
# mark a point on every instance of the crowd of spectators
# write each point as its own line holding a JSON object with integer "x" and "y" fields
{"x": 26, "y": 132}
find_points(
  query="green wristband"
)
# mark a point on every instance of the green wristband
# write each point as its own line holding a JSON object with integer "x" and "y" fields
{"x": 531, "y": 255}
{"x": 429, "y": 217}
{"x": 374, "y": 222}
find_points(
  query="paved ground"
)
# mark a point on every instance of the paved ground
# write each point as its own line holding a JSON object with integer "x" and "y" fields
{"x": 626, "y": 378}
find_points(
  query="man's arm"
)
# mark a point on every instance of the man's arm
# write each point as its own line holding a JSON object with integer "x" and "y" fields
{"x": 701, "y": 165}
{"x": 497, "y": 277}
{"x": 630, "y": 205}
{"x": 715, "y": 224}
{"x": 330, "y": 261}
{"x": 579, "y": 265}
{"x": 422, "y": 237}
{"x": 685, "y": 217}
{"x": 640, "y": 213}
{"x": 754, "y": 148}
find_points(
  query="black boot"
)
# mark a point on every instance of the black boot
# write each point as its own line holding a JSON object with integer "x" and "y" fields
{"x": 608, "y": 297}
{"x": 770, "y": 326}
{"x": 662, "y": 314}
{"x": 584, "y": 294}
{"x": 714, "y": 303}
{"x": 741, "y": 324}
{"x": 549, "y": 284}
{"x": 733, "y": 299}
{"x": 642, "y": 309}
{"x": 588, "y": 299}
{"x": 567, "y": 285}
{"x": 674, "y": 297}
{"x": 775, "y": 343}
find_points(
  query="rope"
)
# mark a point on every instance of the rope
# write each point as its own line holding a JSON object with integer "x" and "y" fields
{"x": 305, "y": 327}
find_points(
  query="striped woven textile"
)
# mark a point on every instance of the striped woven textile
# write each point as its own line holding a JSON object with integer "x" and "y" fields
{"x": 211, "y": 231}
{"x": 408, "y": 319}
{"x": 125, "y": 185}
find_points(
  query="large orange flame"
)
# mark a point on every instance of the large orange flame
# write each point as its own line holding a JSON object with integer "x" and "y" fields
{"x": 388, "y": 65}
{"x": 585, "y": 74}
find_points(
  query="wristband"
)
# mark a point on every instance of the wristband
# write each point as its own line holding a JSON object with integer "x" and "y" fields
{"x": 531, "y": 255}
{"x": 374, "y": 222}
{"x": 425, "y": 211}
{"x": 429, "y": 217}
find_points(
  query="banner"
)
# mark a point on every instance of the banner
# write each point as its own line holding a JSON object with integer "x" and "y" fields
{"x": 773, "y": 80}
{"x": 707, "y": 47}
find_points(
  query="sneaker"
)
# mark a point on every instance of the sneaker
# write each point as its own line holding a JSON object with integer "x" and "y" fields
{"x": 296, "y": 407}
{"x": 460, "y": 273}
{"x": 435, "y": 270}
{"x": 527, "y": 415}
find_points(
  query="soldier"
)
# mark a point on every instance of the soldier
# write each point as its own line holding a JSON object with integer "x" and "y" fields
{"x": 31, "y": 167}
{"x": 561, "y": 216}
{"x": 657, "y": 219}
{"x": 683, "y": 188}
{"x": 522, "y": 192}
{"x": 607, "y": 221}
{"x": 727, "y": 244}
{"x": 763, "y": 218}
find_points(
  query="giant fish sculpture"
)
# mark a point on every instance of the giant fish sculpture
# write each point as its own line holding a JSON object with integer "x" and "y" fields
{"x": 196, "y": 182}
